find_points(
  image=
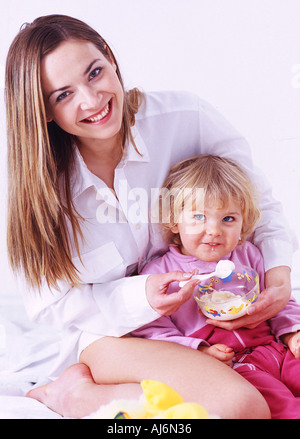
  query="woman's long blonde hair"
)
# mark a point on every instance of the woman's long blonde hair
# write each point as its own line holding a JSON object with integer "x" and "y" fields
{"x": 39, "y": 154}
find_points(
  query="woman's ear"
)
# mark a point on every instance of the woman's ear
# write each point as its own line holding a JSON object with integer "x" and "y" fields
{"x": 49, "y": 117}
{"x": 111, "y": 57}
{"x": 174, "y": 229}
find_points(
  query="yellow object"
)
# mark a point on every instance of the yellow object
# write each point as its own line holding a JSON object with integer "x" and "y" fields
{"x": 186, "y": 410}
{"x": 160, "y": 396}
{"x": 163, "y": 402}
{"x": 234, "y": 310}
{"x": 254, "y": 298}
{"x": 158, "y": 401}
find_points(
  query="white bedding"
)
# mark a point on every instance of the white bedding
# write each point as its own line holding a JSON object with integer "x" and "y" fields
{"x": 27, "y": 354}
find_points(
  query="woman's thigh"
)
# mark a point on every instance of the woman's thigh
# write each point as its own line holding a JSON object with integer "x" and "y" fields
{"x": 195, "y": 375}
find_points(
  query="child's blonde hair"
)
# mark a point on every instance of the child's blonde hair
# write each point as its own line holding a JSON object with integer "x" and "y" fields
{"x": 220, "y": 181}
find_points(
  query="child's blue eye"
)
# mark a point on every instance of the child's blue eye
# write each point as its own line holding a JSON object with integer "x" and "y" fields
{"x": 228, "y": 219}
{"x": 199, "y": 217}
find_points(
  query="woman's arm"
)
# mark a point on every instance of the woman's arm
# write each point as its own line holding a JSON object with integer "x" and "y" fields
{"x": 109, "y": 309}
{"x": 276, "y": 294}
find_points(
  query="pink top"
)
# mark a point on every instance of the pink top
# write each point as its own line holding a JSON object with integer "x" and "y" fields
{"x": 182, "y": 326}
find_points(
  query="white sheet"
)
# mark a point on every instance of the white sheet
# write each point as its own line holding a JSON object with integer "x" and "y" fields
{"x": 26, "y": 355}
{"x": 19, "y": 407}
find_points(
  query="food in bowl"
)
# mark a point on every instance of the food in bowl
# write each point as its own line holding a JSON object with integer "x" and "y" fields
{"x": 228, "y": 299}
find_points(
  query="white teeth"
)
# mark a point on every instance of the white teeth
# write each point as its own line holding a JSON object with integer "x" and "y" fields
{"x": 100, "y": 116}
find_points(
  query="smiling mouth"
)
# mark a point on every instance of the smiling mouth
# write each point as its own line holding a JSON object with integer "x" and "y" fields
{"x": 102, "y": 114}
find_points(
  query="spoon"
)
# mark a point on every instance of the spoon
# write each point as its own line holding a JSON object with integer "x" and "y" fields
{"x": 224, "y": 268}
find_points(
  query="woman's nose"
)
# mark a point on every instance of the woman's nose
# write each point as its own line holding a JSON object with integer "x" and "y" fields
{"x": 89, "y": 99}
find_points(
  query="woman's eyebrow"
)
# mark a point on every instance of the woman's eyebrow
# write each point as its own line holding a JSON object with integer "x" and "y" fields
{"x": 91, "y": 65}
{"x": 68, "y": 86}
{"x": 59, "y": 89}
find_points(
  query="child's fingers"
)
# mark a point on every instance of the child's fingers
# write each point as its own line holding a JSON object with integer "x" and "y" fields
{"x": 296, "y": 352}
{"x": 223, "y": 348}
{"x": 223, "y": 352}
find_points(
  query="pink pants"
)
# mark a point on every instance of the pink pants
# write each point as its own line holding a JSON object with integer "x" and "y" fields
{"x": 270, "y": 367}
{"x": 275, "y": 372}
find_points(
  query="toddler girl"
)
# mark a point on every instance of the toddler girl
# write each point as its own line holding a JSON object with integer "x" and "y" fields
{"x": 209, "y": 209}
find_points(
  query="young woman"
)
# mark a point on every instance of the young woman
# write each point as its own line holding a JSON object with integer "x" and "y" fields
{"x": 84, "y": 158}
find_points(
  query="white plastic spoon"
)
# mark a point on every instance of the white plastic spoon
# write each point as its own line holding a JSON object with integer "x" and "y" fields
{"x": 224, "y": 268}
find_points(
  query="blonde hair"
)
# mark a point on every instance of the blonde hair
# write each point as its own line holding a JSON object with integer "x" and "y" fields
{"x": 220, "y": 180}
{"x": 40, "y": 153}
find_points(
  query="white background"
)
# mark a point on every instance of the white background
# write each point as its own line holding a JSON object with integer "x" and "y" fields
{"x": 243, "y": 56}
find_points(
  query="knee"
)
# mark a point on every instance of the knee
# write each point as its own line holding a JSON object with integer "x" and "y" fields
{"x": 251, "y": 405}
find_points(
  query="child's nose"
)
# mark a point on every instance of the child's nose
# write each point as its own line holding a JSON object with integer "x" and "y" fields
{"x": 213, "y": 228}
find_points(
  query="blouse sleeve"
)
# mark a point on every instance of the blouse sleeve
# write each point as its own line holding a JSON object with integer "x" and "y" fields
{"x": 109, "y": 309}
{"x": 287, "y": 320}
{"x": 164, "y": 329}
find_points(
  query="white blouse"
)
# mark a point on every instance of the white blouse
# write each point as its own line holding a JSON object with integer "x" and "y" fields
{"x": 118, "y": 234}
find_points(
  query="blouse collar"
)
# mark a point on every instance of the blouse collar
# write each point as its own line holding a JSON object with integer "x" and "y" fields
{"x": 82, "y": 178}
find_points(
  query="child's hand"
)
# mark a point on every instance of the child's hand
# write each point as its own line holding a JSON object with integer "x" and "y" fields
{"x": 293, "y": 342}
{"x": 219, "y": 351}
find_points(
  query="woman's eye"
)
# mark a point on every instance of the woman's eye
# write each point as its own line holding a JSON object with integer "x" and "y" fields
{"x": 228, "y": 219}
{"x": 95, "y": 73}
{"x": 199, "y": 217}
{"x": 62, "y": 96}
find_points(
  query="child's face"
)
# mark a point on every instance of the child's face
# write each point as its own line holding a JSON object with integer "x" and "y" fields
{"x": 212, "y": 233}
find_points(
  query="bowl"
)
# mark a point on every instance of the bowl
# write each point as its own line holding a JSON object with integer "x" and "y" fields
{"x": 228, "y": 299}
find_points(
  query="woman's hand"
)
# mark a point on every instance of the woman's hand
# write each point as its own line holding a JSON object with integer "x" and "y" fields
{"x": 270, "y": 301}
{"x": 156, "y": 291}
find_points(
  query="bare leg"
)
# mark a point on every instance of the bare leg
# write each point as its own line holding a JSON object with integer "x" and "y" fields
{"x": 75, "y": 394}
{"x": 117, "y": 365}
{"x": 196, "y": 376}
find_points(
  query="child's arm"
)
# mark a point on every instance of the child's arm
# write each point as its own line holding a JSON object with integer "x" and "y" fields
{"x": 292, "y": 340}
{"x": 287, "y": 321}
{"x": 219, "y": 351}
{"x": 164, "y": 329}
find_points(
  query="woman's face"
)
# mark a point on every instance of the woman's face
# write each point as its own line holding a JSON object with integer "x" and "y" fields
{"x": 82, "y": 91}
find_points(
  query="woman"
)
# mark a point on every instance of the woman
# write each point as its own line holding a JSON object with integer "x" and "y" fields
{"x": 84, "y": 159}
